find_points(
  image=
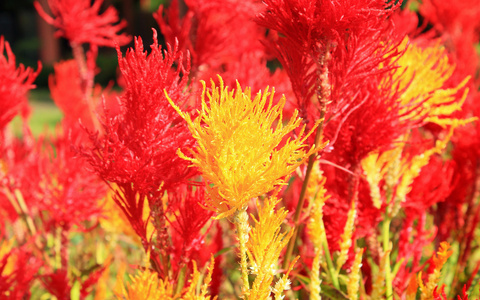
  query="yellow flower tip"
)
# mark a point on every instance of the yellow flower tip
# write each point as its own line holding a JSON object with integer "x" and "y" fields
{"x": 442, "y": 255}
{"x": 354, "y": 277}
{"x": 346, "y": 238}
{"x": 146, "y": 285}
{"x": 421, "y": 76}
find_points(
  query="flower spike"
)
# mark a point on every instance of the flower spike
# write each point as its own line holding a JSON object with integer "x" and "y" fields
{"x": 239, "y": 145}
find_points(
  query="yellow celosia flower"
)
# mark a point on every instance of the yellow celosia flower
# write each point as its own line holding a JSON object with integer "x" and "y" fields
{"x": 346, "y": 239}
{"x": 264, "y": 247}
{"x": 315, "y": 280}
{"x": 191, "y": 292}
{"x": 239, "y": 145}
{"x": 439, "y": 260}
{"x": 146, "y": 285}
{"x": 433, "y": 279}
{"x": 354, "y": 276}
{"x": 421, "y": 75}
{"x": 376, "y": 166}
{"x": 283, "y": 284}
{"x": 316, "y": 194}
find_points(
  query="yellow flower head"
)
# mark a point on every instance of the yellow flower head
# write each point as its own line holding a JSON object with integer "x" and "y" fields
{"x": 239, "y": 149}
{"x": 265, "y": 245}
{"x": 146, "y": 285}
{"x": 421, "y": 75}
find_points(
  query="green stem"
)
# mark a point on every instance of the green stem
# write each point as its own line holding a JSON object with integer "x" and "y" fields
{"x": 301, "y": 199}
{"x": 323, "y": 95}
{"x": 330, "y": 266}
{"x": 386, "y": 250}
{"x": 180, "y": 280}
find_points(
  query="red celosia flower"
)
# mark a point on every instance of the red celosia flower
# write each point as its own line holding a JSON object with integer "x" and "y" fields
{"x": 433, "y": 185}
{"x": 81, "y": 22}
{"x": 414, "y": 237}
{"x": 55, "y": 184}
{"x": 14, "y": 84}
{"x": 67, "y": 93}
{"x": 139, "y": 145}
{"x": 189, "y": 218}
{"x": 319, "y": 41}
{"x": 137, "y": 150}
{"x": 439, "y": 294}
{"x": 16, "y": 283}
{"x": 210, "y": 31}
{"x": 58, "y": 283}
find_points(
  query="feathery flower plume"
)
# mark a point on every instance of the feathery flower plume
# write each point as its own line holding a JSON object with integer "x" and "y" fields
{"x": 209, "y": 31}
{"x": 422, "y": 76}
{"x": 265, "y": 245}
{"x": 240, "y": 152}
{"x": 137, "y": 149}
{"x": 346, "y": 241}
{"x": 80, "y": 22}
{"x": 139, "y": 144}
{"x": 316, "y": 230}
{"x": 354, "y": 277}
{"x": 14, "y": 84}
{"x": 423, "y": 99}
{"x": 317, "y": 42}
{"x": 239, "y": 146}
{"x": 146, "y": 285}
{"x": 438, "y": 261}
{"x": 316, "y": 194}
{"x": 191, "y": 292}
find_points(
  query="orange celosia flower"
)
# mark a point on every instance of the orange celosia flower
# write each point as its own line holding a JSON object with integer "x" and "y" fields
{"x": 433, "y": 278}
{"x": 442, "y": 255}
{"x": 239, "y": 145}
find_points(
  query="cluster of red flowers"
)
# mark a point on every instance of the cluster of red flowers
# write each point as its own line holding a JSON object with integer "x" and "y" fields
{"x": 388, "y": 98}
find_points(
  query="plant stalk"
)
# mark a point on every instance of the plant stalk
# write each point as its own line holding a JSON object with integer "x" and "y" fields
{"x": 323, "y": 95}
{"x": 301, "y": 200}
{"x": 386, "y": 250}
{"x": 241, "y": 223}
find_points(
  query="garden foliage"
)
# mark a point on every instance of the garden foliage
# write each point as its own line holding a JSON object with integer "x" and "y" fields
{"x": 275, "y": 149}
